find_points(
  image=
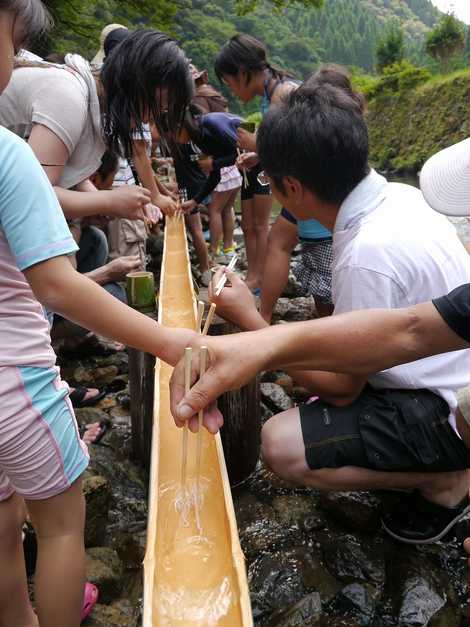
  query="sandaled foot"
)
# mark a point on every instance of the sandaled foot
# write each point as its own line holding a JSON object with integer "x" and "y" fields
{"x": 85, "y": 397}
{"x": 94, "y": 432}
{"x": 418, "y": 521}
{"x": 90, "y": 598}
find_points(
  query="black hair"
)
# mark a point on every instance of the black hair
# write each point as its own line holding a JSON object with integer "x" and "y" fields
{"x": 191, "y": 122}
{"x": 35, "y": 17}
{"x": 144, "y": 61}
{"x": 114, "y": 38}
{"x": 245, "y": 53}
{"x": 109, "y": 163}
{"x": 338, "y": 76}
{"x": 318, "y": 136}
{"x": 58, "y": 58}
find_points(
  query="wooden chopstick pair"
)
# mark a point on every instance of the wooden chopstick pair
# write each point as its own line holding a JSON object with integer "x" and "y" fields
{"x": 188, "y": 354}
{"x": 221, "y": 284}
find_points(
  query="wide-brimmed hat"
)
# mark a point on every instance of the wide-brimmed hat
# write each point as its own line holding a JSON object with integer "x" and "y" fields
{"x": 99, "y": 56}
{"x": 445, "y": 180}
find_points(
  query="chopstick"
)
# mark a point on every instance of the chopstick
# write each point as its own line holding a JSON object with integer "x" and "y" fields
{"x": 245, "y": 176}
{"x": 221, "y": 284}
{"x": 188, "y": 355}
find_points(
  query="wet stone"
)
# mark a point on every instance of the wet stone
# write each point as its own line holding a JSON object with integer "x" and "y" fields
{"x": 88, "y": 415}
{"x": 351, "y": 560}
{"x": 357, "y": 602}
{"x": 98, "y": 498}
{"x": 105, "y": 570}
{"x": 299, "y": 510}
{"x": 120, "y": 416}
{"x": 307, "y": 611}
{"x": 359, "y": 511}
{"x": 105, "y": 376}
{"x": 275, "y": 398}
{"x": 275, "y": 583}
{"x": 111, "y": 616}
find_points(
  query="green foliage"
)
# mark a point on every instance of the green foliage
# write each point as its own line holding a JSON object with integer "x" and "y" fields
{"x": 399, "y": 77}
{"x": 247, "y": 6}
{"x": 391, "y": 47}
{"x": 254, "y": 117}
{"x": 446, "y": 40}
{"x": 407, "y": 127}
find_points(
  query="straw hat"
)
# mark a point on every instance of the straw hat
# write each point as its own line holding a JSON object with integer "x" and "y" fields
{"x": 196, "y": 73}
{"x": 445, "y": 180}
{"x": 99, "y": 56}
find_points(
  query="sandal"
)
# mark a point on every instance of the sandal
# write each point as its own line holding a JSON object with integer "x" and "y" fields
{"x": 89, "y": 600}
{"x": 105, "y": 426}
{"x": 77, "y": 398}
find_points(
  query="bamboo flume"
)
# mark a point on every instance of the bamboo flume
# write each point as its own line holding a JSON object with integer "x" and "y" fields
{"x": 194, "y": 569}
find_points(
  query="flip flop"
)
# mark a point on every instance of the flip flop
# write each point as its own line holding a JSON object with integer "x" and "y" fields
{"x": 77, "y": 398}
{"x": 105, "y": 426}
{"x": 89, "y": 600}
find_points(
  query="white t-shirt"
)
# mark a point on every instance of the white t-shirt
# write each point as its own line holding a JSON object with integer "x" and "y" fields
{"x": 58, "y": 98}
{"x": 391, "y": 250}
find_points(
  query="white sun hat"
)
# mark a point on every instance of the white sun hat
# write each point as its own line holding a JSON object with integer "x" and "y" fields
{"x": 99, "y": 56}
{"x": 445, "y": 180}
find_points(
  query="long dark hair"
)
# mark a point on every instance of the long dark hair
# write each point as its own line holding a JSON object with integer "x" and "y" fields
{"x": 146, "y": 60}
{"x": 247, "y": 54}
{"x": 33, "y": 14}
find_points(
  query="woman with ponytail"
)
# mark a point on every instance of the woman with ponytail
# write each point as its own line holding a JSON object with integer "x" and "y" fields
{"x": 243, "y": 66}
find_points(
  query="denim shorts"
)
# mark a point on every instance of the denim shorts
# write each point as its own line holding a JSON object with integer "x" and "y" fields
{"x": 41, "y": 453}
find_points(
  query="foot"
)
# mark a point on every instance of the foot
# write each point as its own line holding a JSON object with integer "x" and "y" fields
{"x": 418, "y": 521}
{"x": 206, "y": 278}
{"x": 466, "y": 546}
{"x": 92, "y": 431}
{"x": 85, "y": 397}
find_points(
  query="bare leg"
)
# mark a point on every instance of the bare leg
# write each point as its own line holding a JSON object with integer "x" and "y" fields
{"x": 250, "y": 240}
{"x": 219, "y": 200}
{"x": 283, "y": 450}
{"x": 228, "y": 219}
{"x": 199, "y": 243}
{"x": 261, "y": 213}
{"x": 15, "y": 606}
{"x": 60, "y": 570}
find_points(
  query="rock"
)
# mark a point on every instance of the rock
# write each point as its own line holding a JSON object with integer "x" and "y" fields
{"x": 295, "y": 309}
{"x": 286, "y": 383}
{"x": 298, "y": 510}
{"x": 106, "y": 403}
{"x": 87, "y": 415}
{"x": 120, "y": 416}
{"x": 130, "y": 544}
{"x": 275, "y": 398}
{"x": 357, "y": 602}
{"x": 262, "y": 534}
{"x": 105, "y": 570}
{"x": 119, "y": 384}
{"x": 275, "y": 583}
{"x": 293, "y": 289}
{"x": 98, "y": 501}
{"x": 353, "y": 561}
{"x": 307, "y": 611}
{"x": 119, "y": 359}
{"x": 360, "y": 511}
{"x": 105, "y": 376}
{"x": 421, "y": 592}
{"x": 83, "y": 376}
{"x": 110, "y": 616}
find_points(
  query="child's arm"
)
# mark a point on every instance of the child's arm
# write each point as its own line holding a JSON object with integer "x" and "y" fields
{"x": 143, "y": 165}
{"x": 63, "y": 290}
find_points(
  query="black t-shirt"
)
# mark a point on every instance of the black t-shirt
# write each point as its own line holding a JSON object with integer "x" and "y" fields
{"x": 455, "y": 309}
{"x": 188, "y": 173}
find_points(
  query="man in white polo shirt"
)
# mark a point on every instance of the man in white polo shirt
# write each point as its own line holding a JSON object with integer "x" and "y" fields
{"x": 395, "y": 429}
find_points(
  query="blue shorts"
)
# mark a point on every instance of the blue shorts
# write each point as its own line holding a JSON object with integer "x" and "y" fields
{"x": 41, "y": 453}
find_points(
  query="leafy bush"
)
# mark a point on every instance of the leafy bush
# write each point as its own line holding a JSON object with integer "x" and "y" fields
{"x": 399, "y": 77}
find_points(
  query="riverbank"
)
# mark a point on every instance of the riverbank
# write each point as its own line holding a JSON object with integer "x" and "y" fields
{"x": 407, "y": 126}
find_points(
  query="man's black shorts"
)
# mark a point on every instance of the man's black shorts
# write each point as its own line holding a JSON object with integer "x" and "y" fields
{"x": 254, "y": 186}
{"x": 392, "y": 430}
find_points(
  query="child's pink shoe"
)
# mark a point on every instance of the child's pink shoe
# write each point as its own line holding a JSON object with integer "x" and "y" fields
{"x": 89, "y": 600}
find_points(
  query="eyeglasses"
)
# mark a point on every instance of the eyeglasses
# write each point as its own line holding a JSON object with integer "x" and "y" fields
{"x": 263, "y": 178}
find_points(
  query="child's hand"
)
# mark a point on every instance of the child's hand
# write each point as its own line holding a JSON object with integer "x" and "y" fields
{"x": 246, "y": 140}
{"x": 188, "y": 206}
{"x": 247, "y": 160}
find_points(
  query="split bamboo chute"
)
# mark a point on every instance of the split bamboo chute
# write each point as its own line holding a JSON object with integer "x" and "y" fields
{"x": 194, "y": 569}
